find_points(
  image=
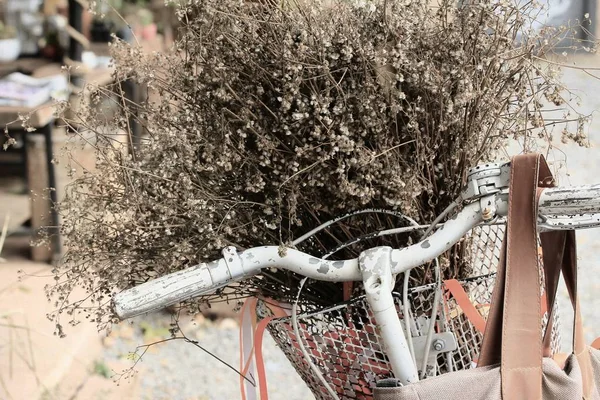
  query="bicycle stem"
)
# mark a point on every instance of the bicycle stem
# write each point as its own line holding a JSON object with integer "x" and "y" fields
{"x": 376, "y": 268}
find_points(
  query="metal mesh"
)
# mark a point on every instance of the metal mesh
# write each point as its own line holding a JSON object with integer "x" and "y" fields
{"x": 343, "y": 342}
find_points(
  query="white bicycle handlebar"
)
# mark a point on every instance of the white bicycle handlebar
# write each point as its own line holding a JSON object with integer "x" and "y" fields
{"x": 557, "y": 209}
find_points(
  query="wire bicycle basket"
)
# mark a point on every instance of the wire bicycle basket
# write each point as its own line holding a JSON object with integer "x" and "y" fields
{"x": 343, "y": 340}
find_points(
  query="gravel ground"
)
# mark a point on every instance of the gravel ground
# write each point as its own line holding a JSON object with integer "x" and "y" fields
{"x": 179, "y": 371}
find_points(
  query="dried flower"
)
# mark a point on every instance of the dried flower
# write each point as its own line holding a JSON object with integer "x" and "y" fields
{"x": 268, "y": 120}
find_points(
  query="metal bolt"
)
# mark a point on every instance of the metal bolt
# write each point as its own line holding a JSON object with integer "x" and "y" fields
{"x": 487, "y": 214}
{"x": 438, "y": 345}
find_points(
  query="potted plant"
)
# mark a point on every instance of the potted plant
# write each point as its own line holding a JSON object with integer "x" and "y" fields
{"x": 10, "y": 47}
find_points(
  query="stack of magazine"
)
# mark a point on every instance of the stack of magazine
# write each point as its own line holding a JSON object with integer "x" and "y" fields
{"x": 21, "y": 90}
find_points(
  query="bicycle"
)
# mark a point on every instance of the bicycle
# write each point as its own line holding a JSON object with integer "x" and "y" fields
{"x": 485, "y": 202}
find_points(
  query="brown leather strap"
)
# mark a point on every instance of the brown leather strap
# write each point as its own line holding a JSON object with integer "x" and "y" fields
{"x": 513, "y": 332}
{"x": 565, "y": 247}
{"x": 521, "y": 349}
{"x": 567, "y": 263}
{"x": 492, "y": 344}
{"x": 490, "y": 352}
{"x": 554, "y": 243}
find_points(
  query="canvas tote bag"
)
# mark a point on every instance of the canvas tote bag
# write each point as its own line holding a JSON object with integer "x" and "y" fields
{"x": 514, "y": 362}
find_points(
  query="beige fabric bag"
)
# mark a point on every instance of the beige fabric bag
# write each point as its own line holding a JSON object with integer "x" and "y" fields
{"x": 514, "y": 362}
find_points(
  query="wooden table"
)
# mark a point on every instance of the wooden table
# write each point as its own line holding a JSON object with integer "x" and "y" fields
{"x": 40, "y": 68}
{"x": 42, "y": 118}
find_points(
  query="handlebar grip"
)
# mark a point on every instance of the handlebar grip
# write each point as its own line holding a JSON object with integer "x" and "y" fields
{"x": 171, "y": 289}
{"x": 206, "y": 278}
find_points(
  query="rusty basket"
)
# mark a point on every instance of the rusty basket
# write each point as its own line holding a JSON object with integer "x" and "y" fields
{"x": 344, "y": 344}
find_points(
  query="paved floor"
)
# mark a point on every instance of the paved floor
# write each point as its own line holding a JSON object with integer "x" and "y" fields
{"x": 35, "y": 364}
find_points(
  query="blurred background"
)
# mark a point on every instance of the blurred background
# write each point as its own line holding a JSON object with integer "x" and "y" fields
{"x": 37, "y": 39}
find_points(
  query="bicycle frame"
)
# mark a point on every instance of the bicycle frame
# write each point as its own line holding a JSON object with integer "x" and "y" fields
{"x": 487, "y": 197}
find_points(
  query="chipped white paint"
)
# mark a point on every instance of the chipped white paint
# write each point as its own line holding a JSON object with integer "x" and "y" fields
{"x": 571, "y": 207}
{"x": 440, "y": 241}
{"x": 206, "y": 278}
{"x": 375, "y": 265}
{"x": 171, "y": 289}
{"x": 559, "y": 209}
{"x": 570, "y": 200}
{"x": 301, "y": 263}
